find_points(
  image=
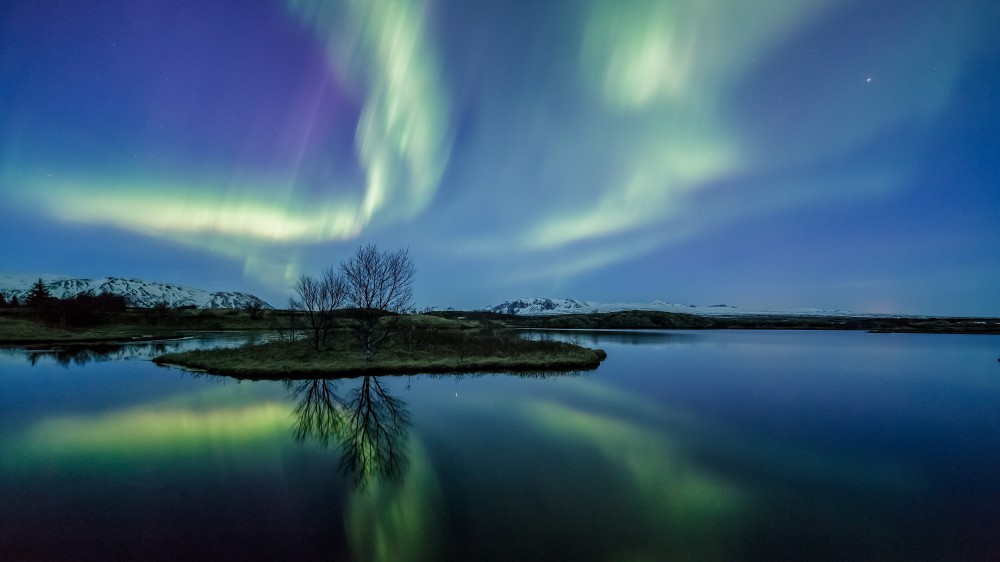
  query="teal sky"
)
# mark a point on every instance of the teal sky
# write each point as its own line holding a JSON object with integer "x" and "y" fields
{"x": 821, "y": 153}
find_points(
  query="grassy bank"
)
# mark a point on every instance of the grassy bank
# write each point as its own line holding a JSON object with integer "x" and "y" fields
{"x": 413, "y": 350}
{"x": 25, "y": 327}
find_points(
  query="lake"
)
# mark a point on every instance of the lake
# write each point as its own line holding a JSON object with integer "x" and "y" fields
{"x": 703, "y": 445}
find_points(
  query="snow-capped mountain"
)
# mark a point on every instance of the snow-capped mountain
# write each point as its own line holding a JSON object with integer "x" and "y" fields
{"x": 427, "y": 309}
{"x": 530, "y": 307}
{"x": 537, "y": 306}
{"x": 137, "y": 292}
{"x": 540, "y": 306}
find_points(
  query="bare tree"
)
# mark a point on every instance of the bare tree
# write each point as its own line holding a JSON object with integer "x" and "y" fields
{"x": 317, "y": 300}
{"x": 379, "y": 287}
{"x": 289, "y": 332}
{"x": 253, "y": 308}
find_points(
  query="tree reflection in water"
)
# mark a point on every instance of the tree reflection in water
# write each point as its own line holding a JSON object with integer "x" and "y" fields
{"x": 81, "y": 354}
{"x": 316, "y": 415}
{"x": 370, "y": 426}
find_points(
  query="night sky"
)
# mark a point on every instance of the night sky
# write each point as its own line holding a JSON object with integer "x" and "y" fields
{"x": 770, "y": 154}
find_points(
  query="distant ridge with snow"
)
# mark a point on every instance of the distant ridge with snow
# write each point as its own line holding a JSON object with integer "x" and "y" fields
{"x": 137, "y": 292}
{"x": 550, "y": 306}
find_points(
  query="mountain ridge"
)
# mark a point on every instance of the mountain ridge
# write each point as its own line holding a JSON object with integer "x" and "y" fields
{"x": 538, "y": 306}
{"x": 137, "y": 292}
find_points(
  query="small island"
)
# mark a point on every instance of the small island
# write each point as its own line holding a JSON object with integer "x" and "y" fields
{"x": 421, "y": 344}
{"x": 354, "y": 320}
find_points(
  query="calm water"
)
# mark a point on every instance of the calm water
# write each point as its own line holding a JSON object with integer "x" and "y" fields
{"x": 704, "y": 445}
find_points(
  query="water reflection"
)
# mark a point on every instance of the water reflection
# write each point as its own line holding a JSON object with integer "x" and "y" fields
{"x": 81, "y": 354}
{"x": 369, "y": 425}
{"x": 317, "y": 415}
{"x": 594, "y": 338}
{"x": 776, "y": 445}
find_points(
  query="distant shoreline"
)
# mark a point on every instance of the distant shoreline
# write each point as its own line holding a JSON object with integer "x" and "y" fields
{"x": 24, "y": 327}
{"x": 647, "y": 319}
{"x": 18, "y": 327}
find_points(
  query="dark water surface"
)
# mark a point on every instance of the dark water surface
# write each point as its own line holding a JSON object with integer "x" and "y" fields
{"x": 710, "y": 445}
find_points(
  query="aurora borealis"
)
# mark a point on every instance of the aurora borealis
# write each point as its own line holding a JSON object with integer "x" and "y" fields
{"x": 820, "y": 153}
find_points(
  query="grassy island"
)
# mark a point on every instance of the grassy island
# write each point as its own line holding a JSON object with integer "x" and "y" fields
{"x": 423, "y": 344}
